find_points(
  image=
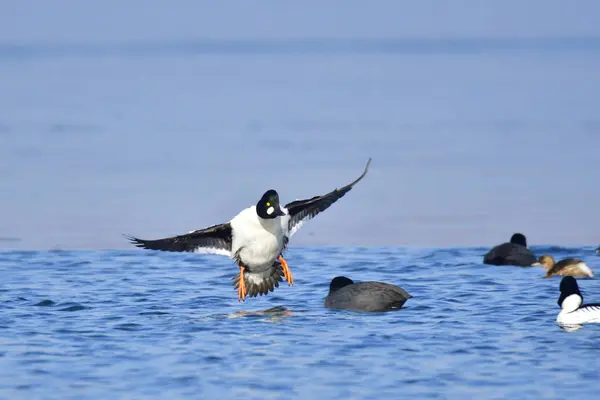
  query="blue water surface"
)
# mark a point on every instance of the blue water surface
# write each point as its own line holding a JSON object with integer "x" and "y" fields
{"x": 142, "y": 324}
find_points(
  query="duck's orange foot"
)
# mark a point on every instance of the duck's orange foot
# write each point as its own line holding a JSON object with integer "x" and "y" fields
{"x": 287, "y": 274}
{"x": 242, "y": 285}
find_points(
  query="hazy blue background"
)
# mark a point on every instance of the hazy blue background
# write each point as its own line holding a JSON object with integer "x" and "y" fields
{"x": 157, "y": 118}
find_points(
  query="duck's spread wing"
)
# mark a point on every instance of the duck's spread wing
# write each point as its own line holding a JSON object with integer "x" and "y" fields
{"x": 212, "y": 240}
{"x": 301, "y": 211}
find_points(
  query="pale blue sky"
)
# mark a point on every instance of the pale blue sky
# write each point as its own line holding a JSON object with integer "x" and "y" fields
{"x": 116, "y": 118}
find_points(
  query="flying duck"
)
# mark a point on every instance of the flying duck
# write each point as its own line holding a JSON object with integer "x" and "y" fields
{"x": 344, "y": 294}
{"x": 255, "y": 238}
{"x": 566, "y": 267}
{"x": 513, "y": 253}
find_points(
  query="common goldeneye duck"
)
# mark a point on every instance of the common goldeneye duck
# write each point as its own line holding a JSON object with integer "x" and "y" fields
{"x": 570, "y": 301}
{"x": 344, "y": 294}
{"x": 566, "y": 267}
{"x": 255, "y": 238}
{"x": 514, "y": 252}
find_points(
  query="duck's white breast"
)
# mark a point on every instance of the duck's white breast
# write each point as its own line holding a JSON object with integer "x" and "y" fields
{"x": 259, "y": 241}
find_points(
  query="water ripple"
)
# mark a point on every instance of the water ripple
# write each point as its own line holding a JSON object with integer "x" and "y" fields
{"x": 143, "y": 324}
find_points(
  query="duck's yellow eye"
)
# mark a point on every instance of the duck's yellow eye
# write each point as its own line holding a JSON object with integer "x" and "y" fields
{"x": 268, "y": 204}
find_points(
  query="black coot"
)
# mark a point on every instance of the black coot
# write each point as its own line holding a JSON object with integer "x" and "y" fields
{"x": 513, "y": 253}
{"x": 344, "y": 294}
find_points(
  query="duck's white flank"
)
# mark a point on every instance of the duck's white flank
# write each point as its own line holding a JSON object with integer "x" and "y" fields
{"x": 573, "y": 314}
{"x": 585, "y": 269}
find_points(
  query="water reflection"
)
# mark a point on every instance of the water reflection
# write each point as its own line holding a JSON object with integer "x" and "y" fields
{"x": 570, "y": 328}
{"x": 273, "y": 314}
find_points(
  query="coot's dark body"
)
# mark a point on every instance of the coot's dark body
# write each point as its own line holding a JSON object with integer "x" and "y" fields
{"x": 344, "y": 294}
{"x": 513, "y": 253}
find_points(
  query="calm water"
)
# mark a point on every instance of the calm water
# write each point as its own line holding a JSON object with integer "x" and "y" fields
{"x": 129, "y": 324}
{"x": 165, "y": 135}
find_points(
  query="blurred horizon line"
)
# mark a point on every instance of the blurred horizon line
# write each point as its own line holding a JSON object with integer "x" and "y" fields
{"x": 302, "y": 46}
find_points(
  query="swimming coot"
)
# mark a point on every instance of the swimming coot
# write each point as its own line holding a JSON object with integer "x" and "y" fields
{"x": 513, "y": 253}
{"x": 344, "y": 294}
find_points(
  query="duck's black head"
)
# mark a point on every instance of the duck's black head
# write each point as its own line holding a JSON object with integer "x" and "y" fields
{"x": 519, "y": 238}
{"x": 268, "y": 206}
{"x": 568, "y": 286}
{"x": 339, "y": 282}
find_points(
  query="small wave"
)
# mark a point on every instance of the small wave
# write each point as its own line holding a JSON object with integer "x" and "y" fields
{"x": 73, "y": 307}
{"x": 154, "y": 313}
{"x": 45, "y": 303}
{"x": 129, "y": 327}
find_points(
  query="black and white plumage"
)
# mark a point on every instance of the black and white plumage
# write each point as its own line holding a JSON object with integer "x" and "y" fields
{"x": 570, "y": 301}
{"x": 514, "y": 252}
{"x": 255, "y": 238}
{"x": 215, "y": 239}
{"x": 345, "y": 294}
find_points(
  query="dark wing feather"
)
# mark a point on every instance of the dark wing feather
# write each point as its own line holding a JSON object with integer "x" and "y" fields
{"x": 303, "y": 210}
{"x": 212, "y": 240}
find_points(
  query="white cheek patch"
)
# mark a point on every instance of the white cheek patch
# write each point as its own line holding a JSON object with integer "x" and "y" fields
{"x": 270, "y": 210}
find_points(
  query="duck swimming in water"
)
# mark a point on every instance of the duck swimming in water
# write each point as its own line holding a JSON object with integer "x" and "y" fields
{"x": 514, "y": 252}
{"x": 565, "y": 267}
{"x": 570, "y": 301}
{"x": 344, "y": 294}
